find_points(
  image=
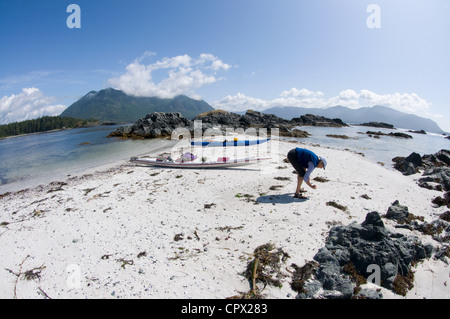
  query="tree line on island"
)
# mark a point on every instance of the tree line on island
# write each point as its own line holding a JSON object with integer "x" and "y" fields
{"x": 42, "y": 124}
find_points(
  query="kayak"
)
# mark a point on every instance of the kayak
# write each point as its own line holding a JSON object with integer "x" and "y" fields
{"x": 221, "y": 162}
{"x": 226, "y": 143}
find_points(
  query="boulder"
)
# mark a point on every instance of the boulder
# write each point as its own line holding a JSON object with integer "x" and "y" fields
{"x": 362, "y": 245}
{"x": 315, "y": 120}
{"x": 154, "y": 125}
{"x": 397, "y": 211}
{"x": 378, "y": 124}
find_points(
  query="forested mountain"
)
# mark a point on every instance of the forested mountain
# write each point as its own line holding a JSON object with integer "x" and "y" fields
{"x": 116, "y": 106}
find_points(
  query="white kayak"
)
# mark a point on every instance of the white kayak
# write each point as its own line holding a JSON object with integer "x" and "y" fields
{"x": 221, "y": 162}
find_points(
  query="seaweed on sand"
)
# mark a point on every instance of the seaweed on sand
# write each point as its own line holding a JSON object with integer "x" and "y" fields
{"x": 336, "y": 205}
{"x": 265, "y": 268}
{"x": 302, "y": 275}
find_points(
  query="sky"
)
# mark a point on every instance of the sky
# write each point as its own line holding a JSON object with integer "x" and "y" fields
{"x": 234, "y": 54}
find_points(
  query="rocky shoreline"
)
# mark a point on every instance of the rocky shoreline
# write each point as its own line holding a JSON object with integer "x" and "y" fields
{"x": 356, "y": 254}
{"x": 436, "y": 172}
{"x": 163, "y": 124}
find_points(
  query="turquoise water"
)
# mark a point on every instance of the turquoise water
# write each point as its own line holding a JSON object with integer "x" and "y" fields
{"x": 35, "y": 159}
{"x": 28, "y": 160}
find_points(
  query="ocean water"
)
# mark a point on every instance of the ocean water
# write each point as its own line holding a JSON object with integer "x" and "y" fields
{"x": 382, "y": 149}
{"x": 30, "y": 160}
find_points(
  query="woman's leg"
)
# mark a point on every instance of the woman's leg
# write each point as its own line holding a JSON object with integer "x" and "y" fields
{"x": 299, "y": 184}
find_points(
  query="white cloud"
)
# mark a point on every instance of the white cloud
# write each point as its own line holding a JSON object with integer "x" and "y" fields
{"x": 301, "y": 93}
{"x": 404, "y": 102}
{"x": 182, "y": 74}
{"x": 28, "y": 104}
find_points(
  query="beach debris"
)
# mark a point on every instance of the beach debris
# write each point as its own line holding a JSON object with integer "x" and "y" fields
{"x": 58, "y": 187}
{"x": 275, "y": 187}
{"x": 208, "y": 206}
{"x": 125, "y": 262}
{"x": 88, "y": 190}
{"x": 336, "y": 205}
{"x": 402, "y": 284}
{"x": 5, "y": 195}
{"x": 142, "y": 254}
{"x": 178, "y": 237}
{"x": 301, "y": 275}
{"x": 320, "y": 179}
{"x": 32, "y": 274}
{"x": 247, "y": 197}
{"x": 265, "y": 268}
{"x": 344, "y": 137}
{"x": 106, "y": 209}
{"x": 355, "y": 250}
{"x": 184, "y": 253}
{"x": 281, "y": 178}
{"x": 96, "y": 196}
{"x": 229, "y": 228}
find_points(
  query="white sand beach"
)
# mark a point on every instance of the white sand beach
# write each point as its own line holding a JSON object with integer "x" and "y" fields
{"x": 143, "y": 232}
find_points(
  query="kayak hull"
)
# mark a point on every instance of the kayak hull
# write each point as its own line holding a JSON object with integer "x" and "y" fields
{"x": 199, "y": 165}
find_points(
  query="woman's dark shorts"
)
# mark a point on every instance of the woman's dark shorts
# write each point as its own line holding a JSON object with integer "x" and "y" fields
{"x": 293, "y": 159}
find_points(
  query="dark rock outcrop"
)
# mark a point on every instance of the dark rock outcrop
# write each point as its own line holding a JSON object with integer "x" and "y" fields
{"x": 163, "y": 124}
{"x": 378, "y": 124}
{"x": 439, "y": 228}
{"x": 411, "y": 164}
{"x": 397, "y": 211}
{"x": 396, "y": 134}
{"x": 153, "y": 125}
{"x": 315, "y": 120}
{"x": 436, "y": 172}
{"x": 418, "y": 132}
{"x": 352, "y": 251}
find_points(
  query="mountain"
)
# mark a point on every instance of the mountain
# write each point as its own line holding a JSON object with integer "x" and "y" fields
{"x": 376, "y": 113}
{"x": 116, "y": 106}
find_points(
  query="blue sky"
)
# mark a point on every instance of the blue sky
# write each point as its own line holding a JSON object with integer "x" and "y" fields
{"x": 233, "y": 54}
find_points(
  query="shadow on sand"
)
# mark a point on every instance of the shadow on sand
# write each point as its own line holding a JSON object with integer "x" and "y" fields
{"x": 280, "y": 199}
